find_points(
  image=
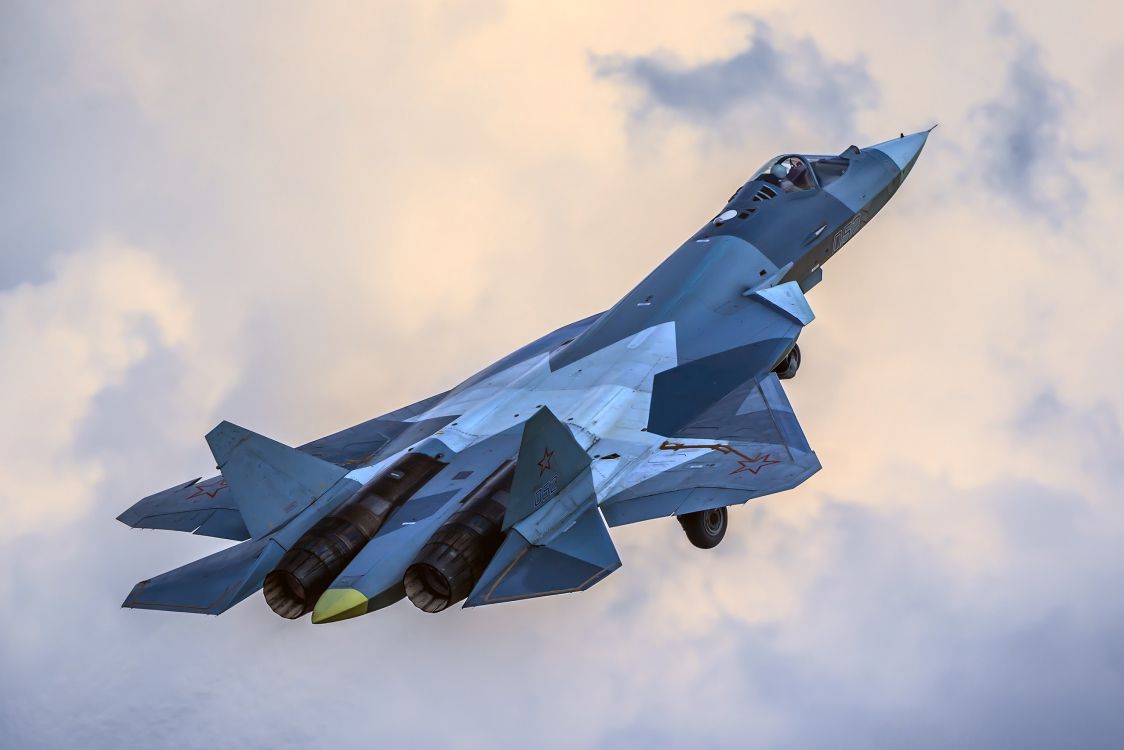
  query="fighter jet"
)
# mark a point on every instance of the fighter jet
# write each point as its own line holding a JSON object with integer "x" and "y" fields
{"x": 669, "y": 404}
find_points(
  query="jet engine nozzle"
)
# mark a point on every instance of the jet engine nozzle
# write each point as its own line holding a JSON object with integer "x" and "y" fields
{"x": 309, "y": 566}
{"x": 455, "y": 557}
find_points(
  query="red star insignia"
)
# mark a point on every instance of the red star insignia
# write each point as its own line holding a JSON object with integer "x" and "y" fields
{"x": 544, "y": 464}
{"x": 754, "y": 464}
{"x": 209, "y": 488}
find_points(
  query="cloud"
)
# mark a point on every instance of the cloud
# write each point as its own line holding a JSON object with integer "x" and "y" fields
{"x": 1027, "y": 151}
{"x": 47, "y": 199}
{"x": 66, "y": 340}
{"x": 788, "y": 81}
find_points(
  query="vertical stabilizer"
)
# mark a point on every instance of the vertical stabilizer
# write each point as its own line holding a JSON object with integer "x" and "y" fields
{"x": 271, "y": 482}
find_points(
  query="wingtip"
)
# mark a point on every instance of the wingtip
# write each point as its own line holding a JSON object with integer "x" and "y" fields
{"x": 135, "y": 514}
{"x": 131, "y": 600}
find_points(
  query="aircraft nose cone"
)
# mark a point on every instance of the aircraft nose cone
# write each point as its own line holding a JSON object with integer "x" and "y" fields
{"x": 904, "y": 150}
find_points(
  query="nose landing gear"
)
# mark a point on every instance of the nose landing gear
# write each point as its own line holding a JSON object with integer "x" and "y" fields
{"x": 786, "y": 369}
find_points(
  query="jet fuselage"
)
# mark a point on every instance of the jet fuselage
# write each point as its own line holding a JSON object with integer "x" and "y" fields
{"x": 666, "y": 404}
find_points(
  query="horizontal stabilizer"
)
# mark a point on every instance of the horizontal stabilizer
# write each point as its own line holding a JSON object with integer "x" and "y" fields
{"x": 201, "y": 506}
{"x": 573, "y": 561}
{"x": 549, "y": 459}
{"x": 270, "y": 482}
{"x": 211, "y": 585}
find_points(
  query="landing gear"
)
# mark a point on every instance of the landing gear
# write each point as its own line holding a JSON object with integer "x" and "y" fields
{"x": 788, "y": 366}
{"x": 705, "y": 528}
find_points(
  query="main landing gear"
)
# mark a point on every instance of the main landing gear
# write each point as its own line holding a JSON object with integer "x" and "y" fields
{"x": 705, "y": 528}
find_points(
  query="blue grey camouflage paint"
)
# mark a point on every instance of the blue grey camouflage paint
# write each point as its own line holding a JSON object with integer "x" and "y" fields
{"x": 667, "y": 404}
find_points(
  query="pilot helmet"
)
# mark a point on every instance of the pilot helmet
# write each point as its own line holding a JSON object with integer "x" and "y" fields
{"x": 779, "y": 170}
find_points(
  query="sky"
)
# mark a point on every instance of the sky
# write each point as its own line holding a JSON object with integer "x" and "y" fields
{"x": 301, "y": 215}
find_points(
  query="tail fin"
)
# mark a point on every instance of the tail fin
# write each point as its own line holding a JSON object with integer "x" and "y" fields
{"x": 211, "y": 585}
{"x": 270, "y": 482}
{"x": 573, "y": 561}
{"x": 549, "y": 459}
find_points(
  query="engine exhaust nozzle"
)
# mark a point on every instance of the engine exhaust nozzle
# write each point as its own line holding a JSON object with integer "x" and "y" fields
{"x": 455, "y": 557}
{"x": 320, "y": 555}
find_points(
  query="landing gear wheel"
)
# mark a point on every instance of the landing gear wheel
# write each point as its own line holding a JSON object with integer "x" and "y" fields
{"x": 705, "y": 528}
{"x": 786, "y": 370}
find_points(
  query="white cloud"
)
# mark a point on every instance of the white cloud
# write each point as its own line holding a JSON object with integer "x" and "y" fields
{"x": 64, "y": 341}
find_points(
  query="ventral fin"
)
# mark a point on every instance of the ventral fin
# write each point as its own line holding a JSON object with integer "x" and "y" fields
{"x": 549, "y": 459}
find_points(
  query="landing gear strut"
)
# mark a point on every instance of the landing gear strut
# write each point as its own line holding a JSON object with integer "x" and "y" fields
{"x": 788, "y": 366}
{"x": 705, "y": 528}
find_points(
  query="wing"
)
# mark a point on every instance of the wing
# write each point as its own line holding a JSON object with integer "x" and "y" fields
{"x": 547, "y": 343}
{"x": 747, "y": 445}
{"x": 726, "y": 441}
{"x": 360, "y": 444}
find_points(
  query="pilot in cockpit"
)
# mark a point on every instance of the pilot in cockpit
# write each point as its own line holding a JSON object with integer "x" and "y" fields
{"x": 798, "y": 177}
{"x": 790, "y": 174}
{"x": 776, "y": 174}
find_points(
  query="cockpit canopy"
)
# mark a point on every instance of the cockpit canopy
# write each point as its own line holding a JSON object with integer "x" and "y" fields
{"x": 796, "y": 172}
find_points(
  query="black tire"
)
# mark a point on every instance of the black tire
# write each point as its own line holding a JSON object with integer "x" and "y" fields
{"x": 705, "y": 528}
{"x": 788, "y": 366}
